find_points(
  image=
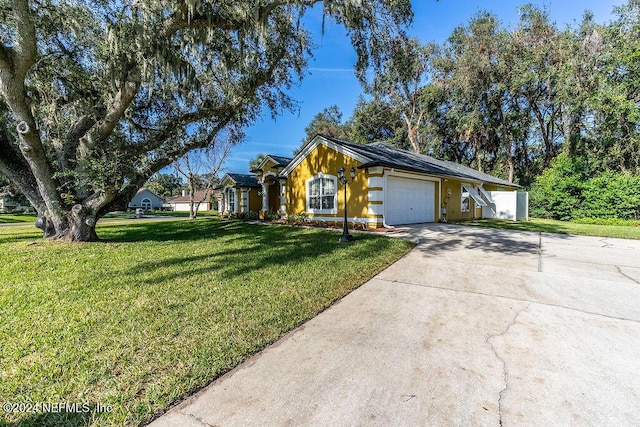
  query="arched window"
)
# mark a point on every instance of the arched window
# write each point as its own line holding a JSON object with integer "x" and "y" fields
{"x": 145, "y": 204}
{"x": 321, "y": 194}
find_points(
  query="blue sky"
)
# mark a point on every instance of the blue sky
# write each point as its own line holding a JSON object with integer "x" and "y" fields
{"x": 331, "y": 79}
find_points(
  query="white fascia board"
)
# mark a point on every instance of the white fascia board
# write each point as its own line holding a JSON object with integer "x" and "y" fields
{"x": 312, "y": 145}
{"x": 416, "y": 175}
{"x": 227, "y": 176}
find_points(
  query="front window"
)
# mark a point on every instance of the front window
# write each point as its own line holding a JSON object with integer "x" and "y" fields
{"x": 321, "y": 194}
{"x": 231, "y": 200}
{"x": 145, "y": 204}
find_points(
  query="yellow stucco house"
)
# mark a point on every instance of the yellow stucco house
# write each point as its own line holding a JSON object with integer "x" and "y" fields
{"x": 238, "y": 193}
{"x": 390, "y": 187}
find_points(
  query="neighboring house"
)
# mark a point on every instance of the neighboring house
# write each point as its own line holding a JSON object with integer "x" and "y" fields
{"x": 391, "y": 186}
{"x": 182, "y": 203}
{"x": 238, "y": 193}
{"x": 146, "y": 200}
{"x": 7, "y": 204}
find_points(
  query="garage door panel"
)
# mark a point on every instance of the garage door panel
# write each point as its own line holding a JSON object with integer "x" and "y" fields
{"x": 409, "y": 201}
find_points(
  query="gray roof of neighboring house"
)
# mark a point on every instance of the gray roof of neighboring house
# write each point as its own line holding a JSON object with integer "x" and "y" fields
{"x": 381, "y": 154}
{"x": 244, "y": 180}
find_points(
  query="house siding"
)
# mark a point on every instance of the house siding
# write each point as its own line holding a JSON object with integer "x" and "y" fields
{"x": 136, "y": 201}
{"x": 323, "y": 159}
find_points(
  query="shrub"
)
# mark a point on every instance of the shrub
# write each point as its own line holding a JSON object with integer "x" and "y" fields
{"x": 612, "y": 195}
{"x": 299, "y": 218}
{"x": 566, "y": 192}
{"x": 557, "y": 193}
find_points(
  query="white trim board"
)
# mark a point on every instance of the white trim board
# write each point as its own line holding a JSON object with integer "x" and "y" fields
{"x": 317, "y": 140}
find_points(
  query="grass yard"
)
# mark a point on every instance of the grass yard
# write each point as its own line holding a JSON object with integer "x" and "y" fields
{"x": 15, "y": 218}
{"x": 631, "y": 231}
{"x": 159, "y": 309}
{"x": 183, "y": 214}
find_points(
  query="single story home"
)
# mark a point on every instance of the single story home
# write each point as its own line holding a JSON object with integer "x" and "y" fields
{"x": 238, "y": 193}
{"x": 181, "y": 203}
{"x": 146, "y": 199}
{"x": 390, "y": 187}
{"x": 7, "y": 204}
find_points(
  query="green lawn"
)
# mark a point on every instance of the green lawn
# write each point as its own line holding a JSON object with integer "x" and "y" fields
{"x": 630, "y": 231}
{"x": 14, "y": 218}
{"x": 183, "y": 214}
{"x": 159, "y": 309}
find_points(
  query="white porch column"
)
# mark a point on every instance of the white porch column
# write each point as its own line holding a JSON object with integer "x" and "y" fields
{"x": 265, "y": 197}
{"x": 221, "y": 202}
{"x": 283, "y": 196}
{"x": 236, "y": 196}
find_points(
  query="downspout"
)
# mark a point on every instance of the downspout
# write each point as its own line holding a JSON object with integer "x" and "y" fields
{"x": 385, "y": 174}
{"x": 439, "y": 199}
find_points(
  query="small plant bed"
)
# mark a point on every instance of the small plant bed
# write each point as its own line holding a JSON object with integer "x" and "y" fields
{"x": 157, "y": 310}
{"x": 598, "y": 228}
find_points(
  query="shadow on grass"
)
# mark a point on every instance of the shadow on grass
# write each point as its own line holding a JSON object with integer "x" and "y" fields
{"x": 247, "y": 247}
{"x": 163, "y": 231}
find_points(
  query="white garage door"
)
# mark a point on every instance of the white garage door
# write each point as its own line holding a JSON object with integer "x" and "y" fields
{"x": 409, "y": 201}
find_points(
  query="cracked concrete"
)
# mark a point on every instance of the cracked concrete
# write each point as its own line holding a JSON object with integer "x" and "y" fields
{"x": 464, "y": 330}
{"x": 504, "y": 363}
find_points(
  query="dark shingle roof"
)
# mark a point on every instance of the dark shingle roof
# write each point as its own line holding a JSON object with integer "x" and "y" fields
{"x": 244, "y": 180}
{"x": 280, "y": 160}
{"x": 380, "y": 154}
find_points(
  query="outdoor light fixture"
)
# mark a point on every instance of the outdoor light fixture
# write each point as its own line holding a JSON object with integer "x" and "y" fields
{"x": 346, "y": 237}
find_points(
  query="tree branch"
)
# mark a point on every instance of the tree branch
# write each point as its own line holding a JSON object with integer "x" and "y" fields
{"x": 25, "y": 48}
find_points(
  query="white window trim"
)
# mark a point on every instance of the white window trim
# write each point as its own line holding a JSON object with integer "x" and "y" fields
{"x": 335, "y": 196}
{"x": 142, "y": 203}
{"x": 231, "y": 199}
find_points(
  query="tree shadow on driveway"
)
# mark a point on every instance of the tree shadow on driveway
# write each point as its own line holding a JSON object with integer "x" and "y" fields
{"x": 439, "y": 238}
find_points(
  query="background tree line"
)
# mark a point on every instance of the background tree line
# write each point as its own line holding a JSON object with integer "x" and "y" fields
{"x": 510, "y": 101}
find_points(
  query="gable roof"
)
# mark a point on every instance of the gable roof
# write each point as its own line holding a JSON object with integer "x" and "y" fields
{"x": 280, "y": 161}
{"x": 380, "y": 154}
{"x": 243, "y": 180}
{"x": 145, "y": 189}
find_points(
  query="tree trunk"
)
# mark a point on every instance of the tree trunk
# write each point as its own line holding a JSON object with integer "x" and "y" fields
{"x": 79, "y": 226}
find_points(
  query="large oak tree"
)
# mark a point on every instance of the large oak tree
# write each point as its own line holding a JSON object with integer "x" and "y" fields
{"x": 97, "y": 96}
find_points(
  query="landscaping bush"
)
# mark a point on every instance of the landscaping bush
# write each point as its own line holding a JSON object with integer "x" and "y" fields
{"x": 612, "y": 195}
{"x": 557, "y": 193}
{"x": 566, "y": 192}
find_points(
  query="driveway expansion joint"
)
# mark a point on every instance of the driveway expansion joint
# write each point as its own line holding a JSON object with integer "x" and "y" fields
{"x": 505, "y": 297}
{"x": 505, "y": 368}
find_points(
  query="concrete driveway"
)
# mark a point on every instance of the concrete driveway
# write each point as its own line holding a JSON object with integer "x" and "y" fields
{"x": 473, "y": 327}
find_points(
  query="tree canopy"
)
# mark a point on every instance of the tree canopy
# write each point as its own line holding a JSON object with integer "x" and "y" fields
{"x": 99, "y": 96}
{"x": 508, "y": 101}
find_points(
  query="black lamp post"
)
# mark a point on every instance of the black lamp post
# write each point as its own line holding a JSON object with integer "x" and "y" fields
{"x": 346, "y": 237}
